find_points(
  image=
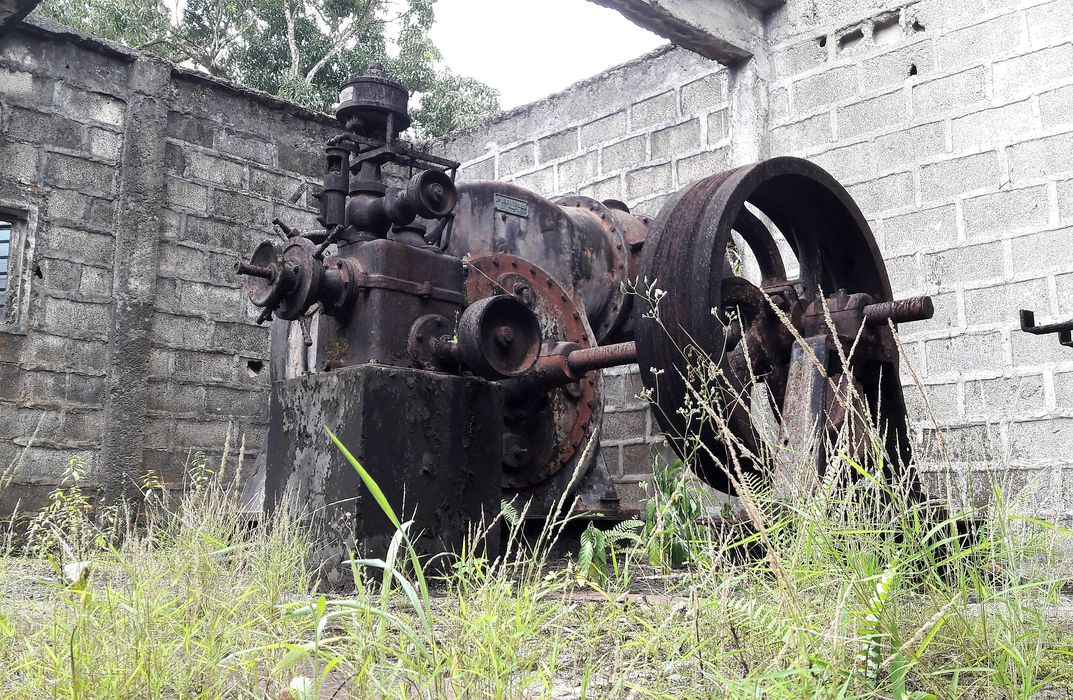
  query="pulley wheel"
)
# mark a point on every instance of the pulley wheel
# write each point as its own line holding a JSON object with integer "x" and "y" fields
{"x": 267, "y": 291}
{"x": 686, "y": 339}
{"x": 499, "y": 337}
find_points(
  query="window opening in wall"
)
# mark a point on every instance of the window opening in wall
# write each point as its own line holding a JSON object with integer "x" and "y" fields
{"x": 17, "y": 226}
{"x": 6, "y": 227}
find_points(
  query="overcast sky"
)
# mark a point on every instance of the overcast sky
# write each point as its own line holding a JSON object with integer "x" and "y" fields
{"x": 528, "y": 49}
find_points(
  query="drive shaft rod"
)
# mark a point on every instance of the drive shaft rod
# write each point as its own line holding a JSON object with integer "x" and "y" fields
{"x": 558, "y": 369}
{"x": 243, "y": 268}
{"x": 582, "y": 361}
{"x": 901, "y": 311}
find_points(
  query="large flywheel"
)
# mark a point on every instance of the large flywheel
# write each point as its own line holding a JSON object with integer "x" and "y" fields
{"x": 710, "y": 343}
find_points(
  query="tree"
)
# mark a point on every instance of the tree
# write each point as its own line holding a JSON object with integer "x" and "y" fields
{"x": 301, "y": 50}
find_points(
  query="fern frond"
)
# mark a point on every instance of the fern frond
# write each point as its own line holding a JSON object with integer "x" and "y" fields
{"x": 585, "y": 552}
{"x": 509, "y": 512}
{"x": 755, "y": 616}
{"x": 869, "y": 630}
{"x": 626, "y": 530}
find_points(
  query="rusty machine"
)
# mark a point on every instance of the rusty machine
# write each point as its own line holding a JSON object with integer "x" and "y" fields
{"x": 451, "y": 333}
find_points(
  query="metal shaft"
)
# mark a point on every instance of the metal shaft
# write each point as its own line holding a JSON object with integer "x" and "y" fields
{"x": 901, "y": 311}
{"x": 242, "y": 268}
{"x": 581, "y": 361}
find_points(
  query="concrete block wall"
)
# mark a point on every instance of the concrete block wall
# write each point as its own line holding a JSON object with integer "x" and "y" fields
{"x": 143, "y": 183}
{"x": 950, "y": 123}
{"x": 232, "y": 165}
{"x": 62, "y": 135}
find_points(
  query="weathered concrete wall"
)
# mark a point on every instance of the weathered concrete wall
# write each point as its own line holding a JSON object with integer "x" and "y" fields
{"x": 951, "y": 123}
{"x": 144, "y": 183}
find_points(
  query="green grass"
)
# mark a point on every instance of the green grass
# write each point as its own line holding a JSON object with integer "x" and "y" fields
{"x": 194, "y": 604}
{"x": 854, "y": 591}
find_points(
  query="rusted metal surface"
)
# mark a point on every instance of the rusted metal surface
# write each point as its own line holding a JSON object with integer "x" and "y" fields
{"x": 587, "y": 246}
{"x": 696, "y": 315}
{"x": 428, "y": 298}
{"x": 436, "y": 463}
{"x": 801, "y": 429}
{"x": 546, "y": 424}
{"x": 581, "y": 361}
{"x": 901, "y": 311}
{"x": 383, "y": 285}
{"x": 373, "y": 105}
{"x": 601, "y": 229}
{"x": 499, "y": 337}
{"x": 1063, "y": 329}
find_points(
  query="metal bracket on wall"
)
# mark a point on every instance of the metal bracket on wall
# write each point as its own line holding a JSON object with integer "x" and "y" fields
{"x": 1063, "y": 329}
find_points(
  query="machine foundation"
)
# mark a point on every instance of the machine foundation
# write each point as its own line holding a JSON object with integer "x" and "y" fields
{"x": 431, "y": 441}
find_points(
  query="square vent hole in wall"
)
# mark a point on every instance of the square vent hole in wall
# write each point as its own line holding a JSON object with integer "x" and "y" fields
{"x": 887, "y": 29}
{"x": 850, "y": 39}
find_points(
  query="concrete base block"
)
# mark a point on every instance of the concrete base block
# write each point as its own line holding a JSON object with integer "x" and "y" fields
{"x": 432, "y": 443}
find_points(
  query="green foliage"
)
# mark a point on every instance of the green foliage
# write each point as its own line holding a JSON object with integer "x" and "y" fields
{"x": 454, "y": 102}
{"x": 157, "y": 613}
{"x": 300, "y": 50}
{"x": 133, "y": 22}
{"x": 198, "y": 472}
{"x": 69, "y": 526}
{"x": 858, "y": 591}
{"x": 870, "y": 629}
{"x": 597, "y": 555}
{"x": 873, "y": 602}
{"x": 672, "y": 533}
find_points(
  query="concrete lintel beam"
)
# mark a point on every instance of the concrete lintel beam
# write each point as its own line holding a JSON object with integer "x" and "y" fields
{"x": 727, "y": 31}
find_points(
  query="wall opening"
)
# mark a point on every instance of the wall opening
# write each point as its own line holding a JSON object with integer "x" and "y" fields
{"x": 6, "y": 226}
{"x": 886, "y": 30}
{"x": 851, "y": 39}
{"x": 16, "y": 249}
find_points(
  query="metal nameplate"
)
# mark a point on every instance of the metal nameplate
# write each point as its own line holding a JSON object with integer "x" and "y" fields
{"x": 509, "y": 205}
